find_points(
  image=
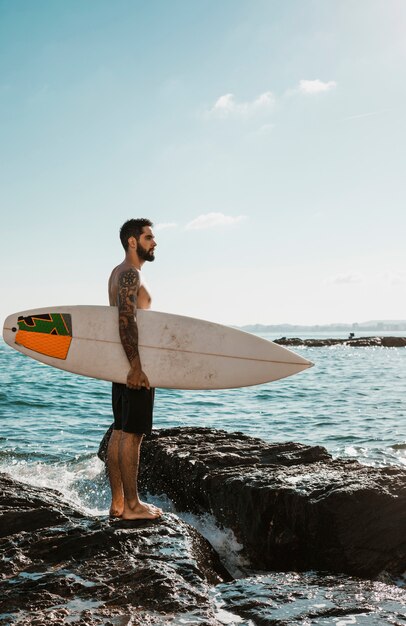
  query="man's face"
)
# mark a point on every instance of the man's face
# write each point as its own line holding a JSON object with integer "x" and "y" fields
{"x": 146, "y": 245}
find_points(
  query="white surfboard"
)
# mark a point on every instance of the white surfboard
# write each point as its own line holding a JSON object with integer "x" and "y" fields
{"x": 176, "y": 352}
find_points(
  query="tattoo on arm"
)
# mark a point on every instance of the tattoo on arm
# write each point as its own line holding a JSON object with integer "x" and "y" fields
{"x": 128, "y": 285}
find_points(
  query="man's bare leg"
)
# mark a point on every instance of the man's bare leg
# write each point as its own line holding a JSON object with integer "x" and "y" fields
{"x": 116, "y": 485}
{"x": 129, "y": 455}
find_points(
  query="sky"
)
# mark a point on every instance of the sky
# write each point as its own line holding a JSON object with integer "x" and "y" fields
{"x": 266, "y": 140}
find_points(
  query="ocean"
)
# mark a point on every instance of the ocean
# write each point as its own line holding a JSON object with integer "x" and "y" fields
{"x": 352, "y": 402}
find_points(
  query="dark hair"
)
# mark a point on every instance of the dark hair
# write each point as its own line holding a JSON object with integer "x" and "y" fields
{"x": 133, "y": 228}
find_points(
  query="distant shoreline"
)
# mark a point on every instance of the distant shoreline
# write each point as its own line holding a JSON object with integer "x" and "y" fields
{"x": 373, "y": 327}
{"x": 384, "y": 342}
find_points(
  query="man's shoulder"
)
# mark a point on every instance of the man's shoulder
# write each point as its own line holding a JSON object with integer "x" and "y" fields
{"x": 115, "y": 269}
{"x": 127, "y": 275}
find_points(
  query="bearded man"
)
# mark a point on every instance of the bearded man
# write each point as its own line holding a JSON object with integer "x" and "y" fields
{"x": 132, "y": 402}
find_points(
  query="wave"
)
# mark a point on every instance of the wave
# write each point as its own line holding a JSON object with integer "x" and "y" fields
{"x": 82, "y": 481}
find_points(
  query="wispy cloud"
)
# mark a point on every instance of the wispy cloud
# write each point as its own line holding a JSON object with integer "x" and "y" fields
{"x": 393, "y": 277}
{"x": 211, "y": 220}
{"x": 346, "y": 278}
{"x": 311, "y": 87}
{"x": 360, "y": 115}
{"x": 228, "y": 106}
{"x": 165, "y": 225}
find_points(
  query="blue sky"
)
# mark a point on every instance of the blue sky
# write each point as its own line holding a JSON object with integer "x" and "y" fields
{"x": 266, "y": 140}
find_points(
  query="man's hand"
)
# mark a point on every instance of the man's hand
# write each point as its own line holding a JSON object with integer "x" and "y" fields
{"x": 136, "y": 379}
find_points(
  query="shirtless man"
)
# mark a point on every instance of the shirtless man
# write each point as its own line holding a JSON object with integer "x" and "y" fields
{"x": 133, "y": 402}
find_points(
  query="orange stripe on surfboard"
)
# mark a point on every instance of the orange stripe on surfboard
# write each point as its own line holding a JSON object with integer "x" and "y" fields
{"x": 50, "y": 345}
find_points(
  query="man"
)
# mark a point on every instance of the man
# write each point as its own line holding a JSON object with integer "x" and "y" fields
{"x": 133, "y": 402}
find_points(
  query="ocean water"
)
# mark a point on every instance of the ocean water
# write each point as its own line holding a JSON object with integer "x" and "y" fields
{"x": 352, "y": 402}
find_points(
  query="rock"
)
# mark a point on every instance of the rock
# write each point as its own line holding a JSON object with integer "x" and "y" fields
{"x": 309, "y": 598}
{"x": 393, "y": 342}
{"x": 56, "y": 562}
{"x": 386, "y": 342}
{"x": 292, "y": 506}
{"x": 23, "y": 508}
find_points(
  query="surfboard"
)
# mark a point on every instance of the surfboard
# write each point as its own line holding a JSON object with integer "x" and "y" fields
{"x": 176, "y": 352}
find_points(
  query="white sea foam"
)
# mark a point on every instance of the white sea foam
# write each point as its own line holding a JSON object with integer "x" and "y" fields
{"x": 81, "y": 483}
{"x": 222, "y": 539}
{"x": 374, "y": 456}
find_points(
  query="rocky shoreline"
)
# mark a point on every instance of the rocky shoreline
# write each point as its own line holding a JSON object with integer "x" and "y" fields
{"x": 58, "y": 564}
{"x": 292, "y": 506}
{"x": 360, "y": 342}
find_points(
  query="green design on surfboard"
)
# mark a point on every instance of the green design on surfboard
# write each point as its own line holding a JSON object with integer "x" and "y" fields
{"x": 48, "y": 323}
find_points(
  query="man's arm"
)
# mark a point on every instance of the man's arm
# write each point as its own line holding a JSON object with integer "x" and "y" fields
{"x": 128, "y": 285}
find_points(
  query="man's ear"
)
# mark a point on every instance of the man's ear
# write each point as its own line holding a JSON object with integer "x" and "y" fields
{"x": 132, "y": 242}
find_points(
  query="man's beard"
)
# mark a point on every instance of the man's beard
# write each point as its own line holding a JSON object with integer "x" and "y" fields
{"x": 145, "y": 255}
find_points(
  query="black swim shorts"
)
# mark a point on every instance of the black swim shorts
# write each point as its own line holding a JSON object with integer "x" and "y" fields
{"x": 132, "y": 409}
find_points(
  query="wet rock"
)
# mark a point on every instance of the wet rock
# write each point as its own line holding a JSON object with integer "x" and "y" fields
{"x": 292, "y": 506}
{"x": 386, "y": 342}
{"x": 57, "y": 562}
{"x": 21, "y": 509}
{"x": 309, "y": 598}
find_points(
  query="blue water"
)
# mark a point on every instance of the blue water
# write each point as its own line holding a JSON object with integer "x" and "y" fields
{"x": 352, "y": 402}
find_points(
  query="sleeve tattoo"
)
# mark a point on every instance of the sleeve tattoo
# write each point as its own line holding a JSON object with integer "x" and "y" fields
{"x": 128, "y": 285}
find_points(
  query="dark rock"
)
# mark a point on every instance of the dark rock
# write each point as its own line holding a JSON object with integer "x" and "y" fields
{"x": 292, "y": 506}
{"x": 282, "y": 599}
{"x": 22, "y": 509}
{"x": 386, "y": 342}
{"x": 56, "y": 563}
{"x": 393, "y": 342}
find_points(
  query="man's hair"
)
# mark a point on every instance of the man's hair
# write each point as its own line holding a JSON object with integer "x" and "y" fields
{"x": 133, "y": 228}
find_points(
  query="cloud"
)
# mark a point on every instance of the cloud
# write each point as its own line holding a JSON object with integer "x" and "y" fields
{"x": 361, "y": 115}
{"x": 392, "y": 278}
{"x": 227, "y": 106}
{"x": 310, "y": 87}
{"x": 347, "y": 278}
{"x": 165, "y": 225}
{"x": 211, "y": 220}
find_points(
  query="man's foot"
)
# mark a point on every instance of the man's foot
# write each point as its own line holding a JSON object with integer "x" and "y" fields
{"x": 141, "y": 511}
{"x": 116, "y": 508}
{"x": 151, "y": 506}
